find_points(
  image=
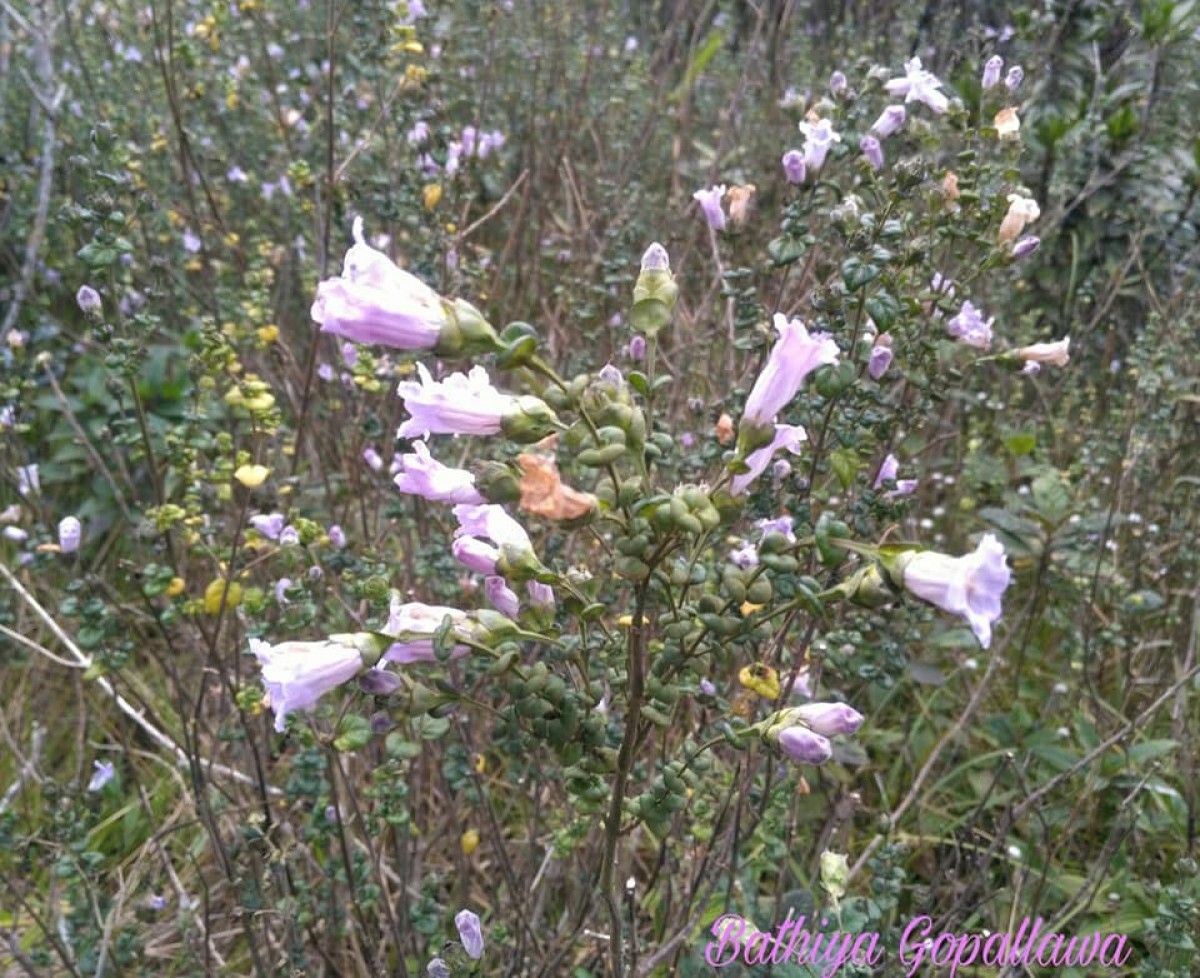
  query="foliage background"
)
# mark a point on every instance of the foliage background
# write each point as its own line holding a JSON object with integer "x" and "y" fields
{"x": 199, "y": 164}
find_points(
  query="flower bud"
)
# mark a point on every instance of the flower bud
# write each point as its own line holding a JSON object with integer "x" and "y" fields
{"x": 89, "y": 302}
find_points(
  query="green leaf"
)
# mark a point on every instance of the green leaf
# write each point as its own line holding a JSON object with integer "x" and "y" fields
{"x": 354, "y": 733}
{"x": 785, "y": 251}
{"x": 884, "y": 309}
{"x": 856, "y": 273}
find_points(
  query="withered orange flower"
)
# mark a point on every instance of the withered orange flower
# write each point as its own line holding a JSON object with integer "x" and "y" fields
{"x": 724, "y": 429}
{"x": 739, "y": 202}
{"x": 543, "y": 492}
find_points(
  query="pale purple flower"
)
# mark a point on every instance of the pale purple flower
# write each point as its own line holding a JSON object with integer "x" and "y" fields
{"x": 268, "y": 525}
{"x": 804, "y": 746}
{"x": 654, "y": 259}
{"x": 828, "y": 719}
{"x": 501, "y": 597}
{"x": 1013, "y": 78}
{"x": 781, "y": 468}
{"x": 475, "y": 555}
{"x": 15, "y": 534}
{"x": 462, "y": 404}
{"x": 374, "y": 301}
{"x": 28, "y": 479}
{"x": 191, "y": 242}
{"x": 1031, "y": 369}
{"x": 709, "y": 200}
{"x": 781, "y": 524}
{"x": 890, "y": 120}
{"x": 888, "y": 472}
{"x": 469, "y": 933}
{"x": 315, "y": 573}
{"x": 881, "y": 359}
{"x": 379, "y": 682}
{"x": 541, "y": 595}
{"x": 919, "y": 85}
{"x": 745, "y": 557}
{"x": 687, "y": 439}
{"x": 373, "y": 459}
{"x": 102, "y": 773}
{"x": 413, "y": 625}
{"x": 297, "y": 674}
{"x": 637, "y": 348}
{"x": 971, "y": 328}
{"x": 281, "y": 587}
{"x": 971, "y": 585}
{"x": 337, "y": 537}
{"x": 88, "y": 300}
{"x": 787, "y": 436}
{"x": 70, "y": 533}
{"x": 325, "y": 372}
{"x": 991, "y": 72}
{"x": 437, "y": 968}
{"x": 794, "y": 356}
{"x": 837, "y": 84}
{"x": 1026, "y": 246}
{"x": 156, "y": 902}
{"x": 818, "y": 138}
{"x": 349, "y": 354}
{"x": 707, "y": 687}
{"x": 939, "y": 283}
{"x": 793, "y": 166}
{"x": 289, "y": 537}
{"x": 872, "y": 151}
{"x": 425, "y": 476}
{"x": 236, "y": 174}
{"x": 491, "y": 521}
{"x": 418, "y": 134}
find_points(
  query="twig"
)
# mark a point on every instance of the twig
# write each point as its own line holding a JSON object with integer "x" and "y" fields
{"x": 495, "y": 208}
{"x": 158, "y": 736}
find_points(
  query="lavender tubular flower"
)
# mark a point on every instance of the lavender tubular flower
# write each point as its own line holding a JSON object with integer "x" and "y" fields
{"x": 991, "y": 72}
{"x": 919, "y": 85}
{"x": 795, "y": 355}
{"x": 297, "y": 674}
{"x": 468, "y": 404}
{"x": 787, "y": 436}
{"x": 872, "y": 151}
{"x": 425, "y": 476}
{"x": 89, "y": 302}
{"x": 889, "y": 121}
{"x": 819, "y": 137}
{"x": 501, "y": 597}
{"x": 971, "y": 328}
{"x": 709, "y": 200}
{"x": 881, "y": 359}
{"x": 804, "y": 746}
{"x": 1013, "y": 79}
{"x": 376, "y": 302}
{"x": 413, "y": 626}
{"x": 837, "y": 84}
{"x": 1026, "y": 246}
{"x": 971, "y": 585}
{"x": 70, "y": 533}
{"x": 102, "y": 774}
{"x": 470, "y": 933}
{"x": 793, "y": 166}
{"x": 828, "y": 719}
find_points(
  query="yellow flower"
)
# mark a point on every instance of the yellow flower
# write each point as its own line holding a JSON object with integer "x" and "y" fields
{"x": 175, "y": 588}
{"x": 748, "y": 609}
{"x": 760, "y": 679}
{"x": 252, "y": 476}
{"x": 216, "y": 590}
{"x": 480, "y": 764}
{"x": 626, "y": 621}
{"x": 431, "y": 194}
{"x": 470, "y": 841}
{"x": 268, "y": 334}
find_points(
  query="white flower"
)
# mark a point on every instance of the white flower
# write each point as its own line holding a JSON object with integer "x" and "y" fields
{"x": 1054, "y": 353}
{"x": 1021, "y": 211}
{"x": 919, "y": 85}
